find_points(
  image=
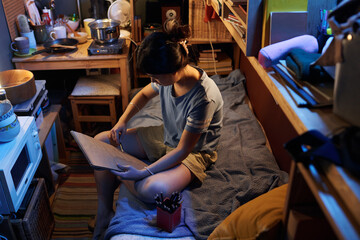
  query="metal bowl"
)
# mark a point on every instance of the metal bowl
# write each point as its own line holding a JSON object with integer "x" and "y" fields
{"x": 19, "y": 85}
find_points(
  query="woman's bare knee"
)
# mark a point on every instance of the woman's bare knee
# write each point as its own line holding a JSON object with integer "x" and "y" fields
{"x": 103, "y": 136}
{"x": 150, "y": 187}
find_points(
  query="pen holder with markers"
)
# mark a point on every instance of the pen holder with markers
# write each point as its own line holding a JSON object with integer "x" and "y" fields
{"x": 168, "y": 212}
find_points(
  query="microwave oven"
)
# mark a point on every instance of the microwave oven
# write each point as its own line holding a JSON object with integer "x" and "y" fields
{"x": 19, "y": 160}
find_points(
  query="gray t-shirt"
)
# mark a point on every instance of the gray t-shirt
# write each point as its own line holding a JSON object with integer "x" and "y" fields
{"x": 198, "y": 111}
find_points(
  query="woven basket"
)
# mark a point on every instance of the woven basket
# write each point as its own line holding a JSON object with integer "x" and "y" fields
{"x": 200, "y": 29}
{"x": 38, "y": 221}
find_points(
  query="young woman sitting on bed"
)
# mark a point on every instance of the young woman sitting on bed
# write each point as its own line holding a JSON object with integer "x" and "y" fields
{"x": 184, "y": 146}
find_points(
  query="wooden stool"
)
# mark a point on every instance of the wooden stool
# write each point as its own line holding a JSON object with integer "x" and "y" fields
{"x": 95, "y": 90}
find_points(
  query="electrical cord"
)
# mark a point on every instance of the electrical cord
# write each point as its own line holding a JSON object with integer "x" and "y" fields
{"x": 136, "y": 47}
{"x": 211, "y": 45}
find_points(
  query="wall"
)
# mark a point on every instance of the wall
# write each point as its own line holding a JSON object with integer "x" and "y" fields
{"x": 66, "y": 7}
{"x": 5, "y": 41}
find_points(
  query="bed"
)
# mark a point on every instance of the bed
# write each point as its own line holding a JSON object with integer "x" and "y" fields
{"x": 245, "y": 169}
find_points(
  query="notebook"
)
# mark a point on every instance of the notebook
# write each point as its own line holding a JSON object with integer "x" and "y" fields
{"x": 101, "y": 155}
{"x": 281, "y": 30}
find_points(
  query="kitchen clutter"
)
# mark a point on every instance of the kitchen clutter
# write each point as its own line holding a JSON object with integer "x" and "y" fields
{"x": 41, "y": 24}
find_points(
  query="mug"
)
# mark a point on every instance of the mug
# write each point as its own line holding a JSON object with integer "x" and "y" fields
{"x": 20, "y": 45}
{"x": 58, "y": 32}
{"x": 31, "y": 36}
{"x": 41, "y": 34}
{"x": 86, "y": 25}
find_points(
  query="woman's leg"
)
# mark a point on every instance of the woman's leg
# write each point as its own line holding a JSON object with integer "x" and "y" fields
{"x": 166, "y": 182}
{"x": 107, "y": 183}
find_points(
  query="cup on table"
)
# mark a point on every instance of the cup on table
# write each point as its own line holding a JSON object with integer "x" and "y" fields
{"x": 20, "y": 45}
{"x": 86, "y": 25}
{"x": 31, "y": 36}
{"x": 41, "y": 34}
{"x": 58, "y": 32}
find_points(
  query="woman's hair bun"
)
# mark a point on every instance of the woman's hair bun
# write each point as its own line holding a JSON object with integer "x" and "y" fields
{"x": 176, "y": 31}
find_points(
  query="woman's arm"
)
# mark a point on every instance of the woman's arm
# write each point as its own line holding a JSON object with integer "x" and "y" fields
{"x": 138, "y": 102}
{"x": 187, "y": 143}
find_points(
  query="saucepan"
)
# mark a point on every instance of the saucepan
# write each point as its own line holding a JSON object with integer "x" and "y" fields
{"x": 60, "y": 45}
{"x": 105, "y": 30}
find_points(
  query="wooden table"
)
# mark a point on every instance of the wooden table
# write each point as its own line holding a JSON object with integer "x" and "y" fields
{"x": 81, "y": 60}
{"x": 320, "y": 190}
{"x": 279, "y": 115}
{"x": 51, "y": 118}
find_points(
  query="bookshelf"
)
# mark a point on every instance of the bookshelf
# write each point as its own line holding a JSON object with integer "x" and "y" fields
{"x": 213, "y": 30}
{"x": 221, "y": 59}
{"x": 243, "y": 19}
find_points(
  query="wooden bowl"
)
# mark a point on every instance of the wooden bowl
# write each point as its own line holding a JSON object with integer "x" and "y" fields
{"x": 19, "y": 85}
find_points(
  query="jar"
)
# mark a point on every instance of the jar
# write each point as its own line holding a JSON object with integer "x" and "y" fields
{"x": 9, "y": 123}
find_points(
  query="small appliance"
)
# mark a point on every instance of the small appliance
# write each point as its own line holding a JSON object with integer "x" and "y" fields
{"x": 19, "y": 160}
{"x": 106, "y": 48}
{"x": 34, "y": 106}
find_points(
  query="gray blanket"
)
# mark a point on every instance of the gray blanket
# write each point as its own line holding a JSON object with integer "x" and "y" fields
{"x": 244, "y": 170}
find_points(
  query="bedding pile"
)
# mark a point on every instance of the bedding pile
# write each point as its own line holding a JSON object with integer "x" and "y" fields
{"x": 244, "y": 170}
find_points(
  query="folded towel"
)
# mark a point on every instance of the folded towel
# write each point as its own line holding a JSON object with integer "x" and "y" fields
{"x": 300, "y": 61}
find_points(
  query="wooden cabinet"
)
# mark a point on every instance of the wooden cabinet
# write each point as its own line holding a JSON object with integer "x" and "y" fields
{"x": 323, "y": 200}
{"x": 246, "y": 25}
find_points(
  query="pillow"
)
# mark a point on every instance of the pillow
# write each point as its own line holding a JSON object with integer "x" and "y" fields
{"x": 271, "y": 54}
{"x": 259, "y": 218}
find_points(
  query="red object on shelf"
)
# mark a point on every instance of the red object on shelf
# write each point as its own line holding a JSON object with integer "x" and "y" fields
{"x": 210, "y": 14}
{"x": 168, "y": 221}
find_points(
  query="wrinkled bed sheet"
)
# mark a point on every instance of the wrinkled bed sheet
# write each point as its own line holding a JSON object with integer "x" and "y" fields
{"x": 244, "y": 170}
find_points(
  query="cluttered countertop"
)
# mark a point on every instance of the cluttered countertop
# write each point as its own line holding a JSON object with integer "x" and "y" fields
{"x": 40, "y": 34}
{"x": 80, "y": 54}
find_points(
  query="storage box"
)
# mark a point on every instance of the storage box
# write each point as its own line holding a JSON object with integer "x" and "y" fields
{"x": 168, "y": 221}
{"x": 347, "y": 84}
{"x": 37, "y": 221}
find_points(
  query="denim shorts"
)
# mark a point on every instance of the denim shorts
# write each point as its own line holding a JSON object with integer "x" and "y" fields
{"x": 152, "y": 140}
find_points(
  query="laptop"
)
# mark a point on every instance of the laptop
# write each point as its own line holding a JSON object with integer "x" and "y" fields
{"x": 101, "y": 155}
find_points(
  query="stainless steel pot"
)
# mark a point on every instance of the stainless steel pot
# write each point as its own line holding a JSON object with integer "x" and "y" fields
{"x": 105, "y": 30}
